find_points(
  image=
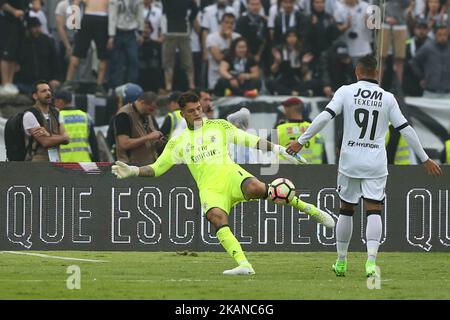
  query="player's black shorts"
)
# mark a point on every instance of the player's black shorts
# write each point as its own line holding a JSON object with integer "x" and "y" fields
{"x": 12, "y": 39}
{"x": 92, "y": 28}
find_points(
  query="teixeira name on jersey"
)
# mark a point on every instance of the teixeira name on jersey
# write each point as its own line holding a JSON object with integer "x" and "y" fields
{"x": 368, "y": 98}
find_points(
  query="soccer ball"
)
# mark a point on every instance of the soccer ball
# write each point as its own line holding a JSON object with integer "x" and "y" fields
{"x": 281, "y": 191}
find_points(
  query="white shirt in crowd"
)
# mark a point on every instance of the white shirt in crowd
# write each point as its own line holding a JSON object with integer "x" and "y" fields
{"x": 367, "y": 110}
{"x": 154, "y": 15}
{"x": 195, "y": 37}
{"x": 359, "y": 46}
{"x": 212, "y": 17}
{"x": 216, "y": 40}
{"x": 42, "y": 19}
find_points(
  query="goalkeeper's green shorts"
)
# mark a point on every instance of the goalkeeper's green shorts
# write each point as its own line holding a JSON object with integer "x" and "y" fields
{"x": 226, "y": 193}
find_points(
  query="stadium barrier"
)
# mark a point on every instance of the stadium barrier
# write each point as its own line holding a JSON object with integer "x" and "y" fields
{"x": 83, "y": 207}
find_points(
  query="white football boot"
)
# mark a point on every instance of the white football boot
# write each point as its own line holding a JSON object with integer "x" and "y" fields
{"x": 245, "y": 270}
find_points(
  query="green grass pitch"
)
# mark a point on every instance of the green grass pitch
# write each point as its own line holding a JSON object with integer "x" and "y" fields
{"x": 279, "y": 275}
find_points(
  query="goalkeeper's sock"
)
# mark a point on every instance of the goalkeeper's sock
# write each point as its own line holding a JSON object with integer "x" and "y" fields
{"x": 373, "y": 233}
{"x": 231, "y": 245}
{"x": 344, "y": 230}
{"x": 298, "y": 204}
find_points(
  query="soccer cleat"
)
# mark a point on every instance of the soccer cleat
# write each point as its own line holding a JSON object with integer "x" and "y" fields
{"x": 339, "y": 268}
{"x": 320, "y": 216}
{"x": 371, "y": 269}
{"x": 245, "y": 270}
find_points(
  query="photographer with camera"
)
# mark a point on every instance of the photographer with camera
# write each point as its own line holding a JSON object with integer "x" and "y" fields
{"x": 351, "y": 16}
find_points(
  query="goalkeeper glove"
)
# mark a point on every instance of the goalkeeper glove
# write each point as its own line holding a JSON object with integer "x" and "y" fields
{"x": 122, "y": 170}
{"x": 295, "y": 159}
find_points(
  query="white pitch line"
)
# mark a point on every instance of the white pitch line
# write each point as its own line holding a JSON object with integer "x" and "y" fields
{"x": 41, "y": 255}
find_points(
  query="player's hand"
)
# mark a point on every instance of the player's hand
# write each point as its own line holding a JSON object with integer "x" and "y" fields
{"x": 122, "y": 170}
{"x": 294, "y": 158}
{"x": 432, "y": 168}
{"x": 293, "y": 147}
{"x": 155, "y": 136}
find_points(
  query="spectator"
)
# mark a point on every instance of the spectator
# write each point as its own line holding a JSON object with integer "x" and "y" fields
{"x": 180, "y": 16}
{"x": 205, "y": 102}
{"x": 432, "y": 64}
{"x": 350, "y": 16}
{"x": 211, "y": 19}
{"x": 151, "y": 75}
{"x": 83, "y": 145}
{"x": 253, "y": 28}
{"x": 217, "y": 45}
{"x": 200, "y": 72}
{"x": 36, "y": 12}
{"x": 287, "y": 19}
{"x": 43, "y": 127}
{"x": 336, "y": 68}
{"x": 137, "y": 135}
{"x": 412, "y": 87}
{"x": 294, "y": 126}
{"x": 63, "y": 12}
{"x": 125, "y": 29}
{"x": 37, "y": 58}
{"x": 434, "y": 13}
{"x": 94, "y": 26}
{"x": 322, "y": 30}
{"x": 173, "y": 117}
{"x": 240, "y": 74}
{"x": 153, "y": 15}
{"x": 14, "y": 12}
{"x": 241, "y": 6}
{"x": 394, "y": 35}
{"x": 291, "y": 68}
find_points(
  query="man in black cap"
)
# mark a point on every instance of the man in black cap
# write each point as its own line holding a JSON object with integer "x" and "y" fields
{"x": 412, "y": 87}
{"x": 173, "y": 117}
{"x": 37, "y": 58}
{"x": 83, "y": 145}
{"x": 294, "y": 126}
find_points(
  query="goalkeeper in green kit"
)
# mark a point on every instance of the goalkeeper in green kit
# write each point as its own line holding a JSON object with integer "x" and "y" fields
{"x": 202, "y": 146}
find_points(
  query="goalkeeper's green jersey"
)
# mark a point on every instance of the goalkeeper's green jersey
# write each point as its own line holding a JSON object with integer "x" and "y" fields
{"x": 205, "y": 151}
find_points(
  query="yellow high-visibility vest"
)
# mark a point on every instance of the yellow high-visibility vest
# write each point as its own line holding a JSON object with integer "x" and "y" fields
{"x": 175, "y": 118}
{"x": 402, "y": 154}
{"x": 76, "y": 123}
{"x": 447, "y": 151}
{"x": 313, "y": 149}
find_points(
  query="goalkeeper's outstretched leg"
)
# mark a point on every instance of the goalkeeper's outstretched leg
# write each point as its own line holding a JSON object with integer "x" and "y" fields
{"x": 252, "y": 189}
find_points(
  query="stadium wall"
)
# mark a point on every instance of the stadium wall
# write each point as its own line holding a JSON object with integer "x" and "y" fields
{"x": 83, "y": 207}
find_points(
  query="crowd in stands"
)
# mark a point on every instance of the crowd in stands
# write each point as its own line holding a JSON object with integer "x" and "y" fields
{"x": 230, "y": 47}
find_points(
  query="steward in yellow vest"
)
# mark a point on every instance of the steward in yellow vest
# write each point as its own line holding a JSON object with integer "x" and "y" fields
{"x": 173, "y": 117}
{"x": 294, "y": 127}
{"x": 83, "y": 144}
{"x": 397, "y": 148}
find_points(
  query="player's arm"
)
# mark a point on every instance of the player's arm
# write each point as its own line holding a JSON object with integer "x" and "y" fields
{"x": 240, "y": 137}
{"x": 401, "y": 124}
{"x": 166, "y": 160}
{"x": 333, "y": 108}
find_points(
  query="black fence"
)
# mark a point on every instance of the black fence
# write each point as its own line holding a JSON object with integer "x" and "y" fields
{"x": 70, "y": 207}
